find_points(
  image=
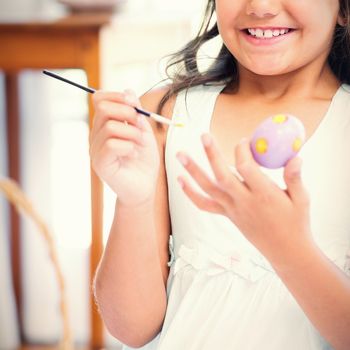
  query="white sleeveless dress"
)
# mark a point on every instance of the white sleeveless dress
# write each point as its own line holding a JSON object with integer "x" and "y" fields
{"x": 222, "y": 293}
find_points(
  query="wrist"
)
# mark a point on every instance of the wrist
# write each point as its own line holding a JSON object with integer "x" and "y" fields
{"x": 142, "y": 206}
{"x": 297, "y": 258}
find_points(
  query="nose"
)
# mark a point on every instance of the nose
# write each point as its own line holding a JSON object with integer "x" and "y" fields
{"x": 262, "y": 8}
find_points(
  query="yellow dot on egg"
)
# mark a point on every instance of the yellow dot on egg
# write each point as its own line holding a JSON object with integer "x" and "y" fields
{"x": 261, "y": 145}
{"x": 279, "y": 118}
{"x": 297, "y": 144}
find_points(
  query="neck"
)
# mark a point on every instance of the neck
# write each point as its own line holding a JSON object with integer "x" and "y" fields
{"x": 307, "y": 82}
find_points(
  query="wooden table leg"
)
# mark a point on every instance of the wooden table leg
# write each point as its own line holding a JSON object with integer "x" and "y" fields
{"x": 13, "y": 141}
{"x": 97, "y": 338}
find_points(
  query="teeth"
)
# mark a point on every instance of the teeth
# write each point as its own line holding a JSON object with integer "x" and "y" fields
{"x": 259, "y": 33}
{"x": 268, "y": 33}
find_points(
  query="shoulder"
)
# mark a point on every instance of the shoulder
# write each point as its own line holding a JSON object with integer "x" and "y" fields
{"x": 150, "y": 101}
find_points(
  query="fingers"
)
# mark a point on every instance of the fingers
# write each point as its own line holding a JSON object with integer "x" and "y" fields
{"x": 116, "y": 119}
{"x": 259, "y": 182}
{"x": 202, "y": 202}
{"x": 222, "y": 190}
{"x": 110, "y": 151}
{"x": 227, "y": 187}
{"x": 293, "y": 180}
{"x": 115, "y": 130}
{"x": 249, "y": 169}
{"x": 100, "y": 95}
{"x": 224, "y": 176}
{"x": 209, "y": 186}
{"x": 131, "y": 98}
{"x": 112, "y": 106}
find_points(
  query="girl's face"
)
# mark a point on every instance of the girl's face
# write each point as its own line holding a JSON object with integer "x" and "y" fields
{"x": 272, "y": 37}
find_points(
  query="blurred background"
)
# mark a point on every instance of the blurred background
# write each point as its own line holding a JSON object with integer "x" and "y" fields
{"x": 53, "y": 166}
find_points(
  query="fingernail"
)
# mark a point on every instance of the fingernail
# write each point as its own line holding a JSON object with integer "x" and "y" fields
{"x": 182, "y": 159}
{"x": 206, "y": 140}
{"x": 130, "y": 97}
{"x": 129, "y": 100}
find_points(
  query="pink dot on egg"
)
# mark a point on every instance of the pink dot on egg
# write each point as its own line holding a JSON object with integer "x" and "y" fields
{"x": 276, "y": 140}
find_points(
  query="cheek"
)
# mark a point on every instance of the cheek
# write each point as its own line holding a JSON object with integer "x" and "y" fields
{"x": 227, "y": 15}
{"x": 227, "y": 31}
{"x": 314, "y": 13}
{"x": 318, "y": 34}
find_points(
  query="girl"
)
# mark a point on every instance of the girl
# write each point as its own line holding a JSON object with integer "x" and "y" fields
{"x": 259, "y": 257}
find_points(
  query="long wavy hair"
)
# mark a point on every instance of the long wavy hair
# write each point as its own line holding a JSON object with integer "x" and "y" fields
{"x": 183, "y": 66}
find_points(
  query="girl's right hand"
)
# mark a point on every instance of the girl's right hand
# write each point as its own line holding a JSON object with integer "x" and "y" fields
{"x": 123, "y": 148}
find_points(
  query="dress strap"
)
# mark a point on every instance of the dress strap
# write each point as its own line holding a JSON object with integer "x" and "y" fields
{"x": 194, "y": 108}
{"x": 196, "y": 105}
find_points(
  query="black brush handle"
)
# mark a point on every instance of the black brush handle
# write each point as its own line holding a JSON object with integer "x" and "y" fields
{"x": 85, "y": 88}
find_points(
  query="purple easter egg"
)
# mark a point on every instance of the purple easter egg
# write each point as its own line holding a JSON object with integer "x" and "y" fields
{"x": 276, "y": 140}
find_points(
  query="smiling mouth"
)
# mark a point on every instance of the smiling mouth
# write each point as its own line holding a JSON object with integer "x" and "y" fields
{"x": 260, "y": 33}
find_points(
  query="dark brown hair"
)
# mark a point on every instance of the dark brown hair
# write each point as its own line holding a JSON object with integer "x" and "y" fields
{"x": 182, "y": 68}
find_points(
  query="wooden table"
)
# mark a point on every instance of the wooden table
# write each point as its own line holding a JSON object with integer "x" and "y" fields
{"x": 69, "y": 42}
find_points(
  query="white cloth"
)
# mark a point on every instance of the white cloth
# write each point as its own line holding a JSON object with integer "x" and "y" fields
{"x": 222, "y": 293}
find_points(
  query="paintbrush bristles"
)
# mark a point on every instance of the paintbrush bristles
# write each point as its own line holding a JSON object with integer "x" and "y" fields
{"x": 164, "y": 120}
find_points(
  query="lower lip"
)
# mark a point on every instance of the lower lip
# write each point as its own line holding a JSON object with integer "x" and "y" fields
{"x": 266, "y": 41}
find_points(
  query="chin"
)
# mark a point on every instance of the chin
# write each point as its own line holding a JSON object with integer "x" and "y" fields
{"x": 267, "y": 72}
{"x": 267, "y": 69}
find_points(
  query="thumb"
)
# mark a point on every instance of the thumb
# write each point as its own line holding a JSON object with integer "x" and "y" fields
{"x": 292, "y": 178}
{"x": 132, "y": 100}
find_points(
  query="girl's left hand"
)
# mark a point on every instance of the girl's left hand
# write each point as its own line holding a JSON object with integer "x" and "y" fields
{"x": 276, "y": 221}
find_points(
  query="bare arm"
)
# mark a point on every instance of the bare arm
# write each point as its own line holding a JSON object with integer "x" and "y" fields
{"x": 130, "y": 284}
{"x": 323, "y": 291}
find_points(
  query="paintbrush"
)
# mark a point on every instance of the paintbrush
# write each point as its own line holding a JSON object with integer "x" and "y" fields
{"x": 154, "y": 116}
